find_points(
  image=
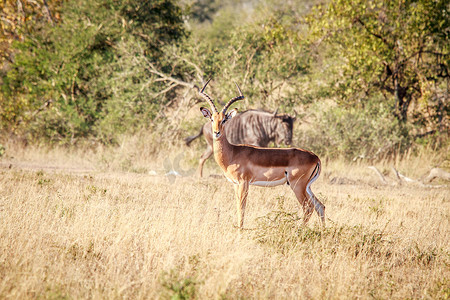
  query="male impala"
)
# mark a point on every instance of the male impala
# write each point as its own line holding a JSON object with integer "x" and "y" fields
{"x": 245, "y": 165}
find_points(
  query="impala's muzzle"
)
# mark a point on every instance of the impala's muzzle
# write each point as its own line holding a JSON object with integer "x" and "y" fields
{"x": 216, "y": 134}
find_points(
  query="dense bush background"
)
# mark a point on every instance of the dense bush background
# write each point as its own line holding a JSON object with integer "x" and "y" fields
{"x": 368, "y": 78}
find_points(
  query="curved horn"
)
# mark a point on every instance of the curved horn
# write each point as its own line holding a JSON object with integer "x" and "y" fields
{"x": 240, "y": 97}
{"x": 295, "y": 115}
{"x": 275, "y": 112}
{"x": 207, "y": 97}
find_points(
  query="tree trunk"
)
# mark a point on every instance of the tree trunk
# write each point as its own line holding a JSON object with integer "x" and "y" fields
{"x": 403, "y": 99}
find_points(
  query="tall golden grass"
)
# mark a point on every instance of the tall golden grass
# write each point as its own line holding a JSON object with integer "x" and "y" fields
{"x": 97, "y": 225}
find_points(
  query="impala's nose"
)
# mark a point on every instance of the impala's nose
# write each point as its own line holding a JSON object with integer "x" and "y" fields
{"x": 216, "y": 134}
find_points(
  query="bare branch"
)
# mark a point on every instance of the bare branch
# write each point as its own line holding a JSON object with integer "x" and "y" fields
{"x": 437, "y": 173}
{"x": 420, "y": 183}
{"x": 166, "y": 90}
{"x": 373, "y": 33}
{"x": 379, "y": 174}
{"x": 164, "y": 77}
{"x": 199, "y": 73}
{"x": 48, "y": 12}
{"x": 402, "y": 178}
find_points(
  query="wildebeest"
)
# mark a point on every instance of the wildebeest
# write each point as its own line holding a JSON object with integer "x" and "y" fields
{"x": 251, "y": 127}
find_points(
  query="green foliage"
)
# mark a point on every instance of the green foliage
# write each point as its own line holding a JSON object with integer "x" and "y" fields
{"x": 264, "y": 54}
{"x": 355, "y": 133}
{"x": 397, "y": 48}
{"x": 70, "y": 66}
{"x": 178, "y": 288}
{"x": 21, "y": 18}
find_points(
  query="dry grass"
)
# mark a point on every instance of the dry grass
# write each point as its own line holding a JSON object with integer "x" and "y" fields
{"x": 86, "y": 230}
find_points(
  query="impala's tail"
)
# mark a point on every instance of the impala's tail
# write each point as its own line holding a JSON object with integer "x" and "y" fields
{"x": 189, "y": 139}
{"x": 315, "y": 173}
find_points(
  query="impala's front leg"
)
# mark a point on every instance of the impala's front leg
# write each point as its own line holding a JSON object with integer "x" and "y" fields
{"x": 241, "y": 191}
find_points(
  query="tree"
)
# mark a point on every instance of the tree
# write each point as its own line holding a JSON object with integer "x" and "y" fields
{"x": 398, "y": 48}
{"x": 264, "y": 54}
{"x": 69, "y": 66}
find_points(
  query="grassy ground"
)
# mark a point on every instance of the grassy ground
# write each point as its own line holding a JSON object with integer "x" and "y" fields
{"x": 79, "y": 226}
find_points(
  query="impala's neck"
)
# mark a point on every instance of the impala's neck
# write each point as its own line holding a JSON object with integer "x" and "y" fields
{"x": 223, "y": 150}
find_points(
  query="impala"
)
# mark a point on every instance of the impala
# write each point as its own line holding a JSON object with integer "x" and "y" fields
{"x": 246, "y": 165}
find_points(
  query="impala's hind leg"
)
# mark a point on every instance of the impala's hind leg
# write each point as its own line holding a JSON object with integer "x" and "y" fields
{"x": 207, "y": 154}
{"x": 308, "y": 208}
{"x": 318, "y": 206}
{"x": 307, "y": 199}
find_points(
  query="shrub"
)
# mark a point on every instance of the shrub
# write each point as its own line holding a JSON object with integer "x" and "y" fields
{"x": 177, "y": 287}
{"x": 370, "y": 133}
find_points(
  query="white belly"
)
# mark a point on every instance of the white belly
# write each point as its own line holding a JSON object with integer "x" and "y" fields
{"x": 231, "y": 180}
{"x": 269, "y": 183}
{"x": 262, "y": 182}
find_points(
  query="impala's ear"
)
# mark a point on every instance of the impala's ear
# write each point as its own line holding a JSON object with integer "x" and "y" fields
{"x": 232, "y": 113}
{"x": 206, "y": 113}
